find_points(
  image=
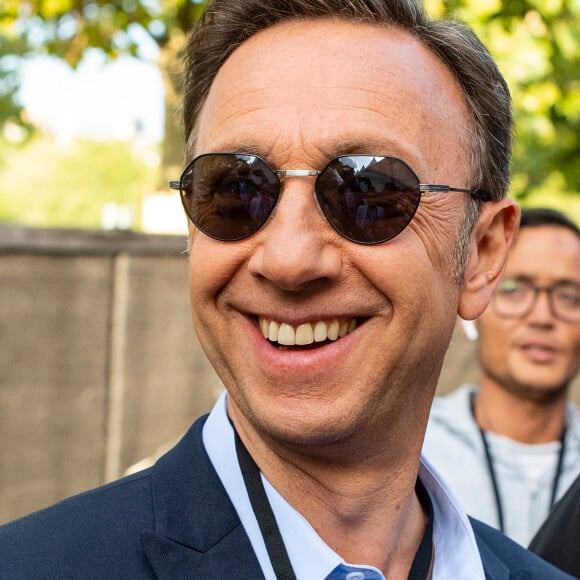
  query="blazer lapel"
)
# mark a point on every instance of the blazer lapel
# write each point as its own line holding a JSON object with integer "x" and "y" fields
{"x": 231, "y": 558}
{"x": 493, "y": 566}
{"x": 197, "y": 531}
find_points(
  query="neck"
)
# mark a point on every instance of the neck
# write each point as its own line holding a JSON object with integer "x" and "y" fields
{"x": 362, "y": 514}
{"x": 503, "y": 413}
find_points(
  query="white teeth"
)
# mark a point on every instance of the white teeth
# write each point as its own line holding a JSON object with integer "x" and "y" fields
{"x": 308, "y": 333}
{"x": 304, "y": 334}
{"x": 320, "y": 331}
{"x": 333, "y": 328}
{"x": 286, "y": 334}
{"x": 273, "y": 329}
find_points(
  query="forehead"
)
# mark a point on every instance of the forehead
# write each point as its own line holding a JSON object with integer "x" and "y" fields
{"x": 547, "y": 252}
{"x": 309, "y": 86}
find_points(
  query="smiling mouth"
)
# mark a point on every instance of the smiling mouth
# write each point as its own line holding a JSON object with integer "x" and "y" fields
{"x": 307, "y": 334}
{"x": 538, "y": 348}
{"x": 539, "y": 351}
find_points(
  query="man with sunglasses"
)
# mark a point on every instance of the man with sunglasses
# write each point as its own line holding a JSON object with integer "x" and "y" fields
{"x": 517, "y": 436}
{"x": 328, "y": 332}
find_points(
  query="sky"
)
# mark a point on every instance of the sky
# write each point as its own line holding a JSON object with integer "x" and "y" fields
{"x": 100, "y": 100}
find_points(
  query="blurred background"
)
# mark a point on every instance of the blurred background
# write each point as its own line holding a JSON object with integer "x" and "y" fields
{"x": 99, "y": 366}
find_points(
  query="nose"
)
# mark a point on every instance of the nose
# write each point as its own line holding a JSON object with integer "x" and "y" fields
{"x": 297, "y": 246}
{"x": 542, "y": 313}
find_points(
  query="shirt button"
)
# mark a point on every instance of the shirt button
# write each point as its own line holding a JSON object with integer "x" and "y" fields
{"x": 355, "y": 576}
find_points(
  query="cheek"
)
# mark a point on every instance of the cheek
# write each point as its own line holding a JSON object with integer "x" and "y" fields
{"x": 575, "y": 341}
{"x": 413, "y": 285}
{"x": 492, "y": 352}
{"x": 494, "y": 342}
{"x": 209, "y": 270}
{"x": 212, "y": 264}
{"x": 201, "y": 272}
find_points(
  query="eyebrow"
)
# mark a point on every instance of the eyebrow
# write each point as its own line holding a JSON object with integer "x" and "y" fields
{"x": 331, "y": 150}
{"x": 531, "y": 280}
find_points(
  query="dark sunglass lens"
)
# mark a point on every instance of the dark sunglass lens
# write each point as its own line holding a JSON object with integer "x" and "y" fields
{"x": 368, "y": 199}
{"x": 229, "y": 196}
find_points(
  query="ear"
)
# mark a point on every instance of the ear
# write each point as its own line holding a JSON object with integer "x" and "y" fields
{"x": 491, "y": 240}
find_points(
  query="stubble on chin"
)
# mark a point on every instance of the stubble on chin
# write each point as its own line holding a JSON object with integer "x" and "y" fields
{"x": 539, "y": 394}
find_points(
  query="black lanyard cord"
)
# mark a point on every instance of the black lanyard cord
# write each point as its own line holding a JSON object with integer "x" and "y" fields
{"x": 493, "y": 478}
{"x": 264, "y": 514}
{"x": 493, "y": 475}
{"x": 423, "y": 558}
{"x": 273, "y": 538}
{"x": 559, "y": 469}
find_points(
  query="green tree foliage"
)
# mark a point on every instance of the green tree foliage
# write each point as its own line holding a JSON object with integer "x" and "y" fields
{"x": 537, "y": 45}
{"x": 71, "y": 186}
{"x": 67, "y": 28}
{"x": 536, "y": 42}
{"x": 12, "y": 115}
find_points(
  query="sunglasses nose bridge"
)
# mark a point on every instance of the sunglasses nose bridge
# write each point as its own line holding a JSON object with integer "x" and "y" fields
{"x": 297, "y": 172}
{"x": 282, "y": 173}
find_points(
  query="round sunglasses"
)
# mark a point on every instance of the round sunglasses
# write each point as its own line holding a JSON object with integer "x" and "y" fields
{"x": 368, "y": 199}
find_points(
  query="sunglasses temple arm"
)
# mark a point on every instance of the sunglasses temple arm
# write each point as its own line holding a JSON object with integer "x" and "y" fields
{"x": 477, "y": 193}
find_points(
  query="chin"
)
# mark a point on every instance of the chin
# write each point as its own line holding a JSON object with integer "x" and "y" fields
{"x": 307, "y": 424}
{"x": 539, "y": 392}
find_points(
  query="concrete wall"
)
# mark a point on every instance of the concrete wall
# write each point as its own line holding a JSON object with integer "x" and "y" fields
{"x": 99, "y": 365}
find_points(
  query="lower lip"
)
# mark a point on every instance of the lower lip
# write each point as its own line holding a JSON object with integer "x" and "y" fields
{"x": 303, "y": 360}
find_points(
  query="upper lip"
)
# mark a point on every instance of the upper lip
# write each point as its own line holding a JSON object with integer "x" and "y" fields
{"x": 297, "y": 316}
{"x": 297, "y": 321}
{"x": 307, "y": 311}
{"x": 538, "y": 343}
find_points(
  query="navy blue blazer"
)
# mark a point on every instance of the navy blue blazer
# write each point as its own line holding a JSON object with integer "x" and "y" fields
{"x": 174, "y": 521}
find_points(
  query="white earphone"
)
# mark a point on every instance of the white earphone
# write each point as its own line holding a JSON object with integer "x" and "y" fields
{"x": 469, "y": 329}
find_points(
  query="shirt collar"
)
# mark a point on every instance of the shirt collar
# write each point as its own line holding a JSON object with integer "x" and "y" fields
{"x": 456, "y": 551}
{"x": 454, "y": 542}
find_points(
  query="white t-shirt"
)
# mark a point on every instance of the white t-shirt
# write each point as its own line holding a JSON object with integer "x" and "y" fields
{"x": 525, "y": 473}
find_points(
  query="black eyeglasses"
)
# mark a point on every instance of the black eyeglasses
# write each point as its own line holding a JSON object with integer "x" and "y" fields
{"x": 516, "y": 298}
{"x": 368, "y": 199}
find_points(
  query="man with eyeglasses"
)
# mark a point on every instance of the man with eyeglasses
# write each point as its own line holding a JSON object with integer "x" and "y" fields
{"x": 328, "y": 332}
{"x": 510, "y": 447}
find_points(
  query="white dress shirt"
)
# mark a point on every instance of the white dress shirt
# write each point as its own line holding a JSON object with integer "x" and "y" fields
{"x": 455, "y": 549}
